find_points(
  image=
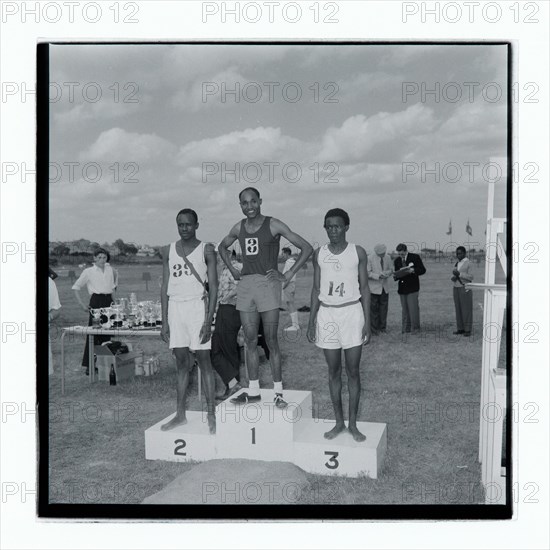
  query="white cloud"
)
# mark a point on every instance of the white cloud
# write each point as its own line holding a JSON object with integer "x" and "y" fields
{"x": 193, "y": 62}
{"x": 211, "y": 91}
{"x": 129, "y": 103}
{"x": 358, "y": 135}
{"x": 355, "y": 87}
{"x": 120, "y": 145}
{"x": 473, "y": 132}
{"x": 261, "y": 144}
{"x": 473, "y": 122}
{"x": 403, "y": 56}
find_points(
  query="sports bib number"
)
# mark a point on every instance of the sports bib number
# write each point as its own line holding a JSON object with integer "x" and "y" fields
{"x": 251, "y": 246}
{"x": 178, "y": 270}
{"x": 337, "y": 290}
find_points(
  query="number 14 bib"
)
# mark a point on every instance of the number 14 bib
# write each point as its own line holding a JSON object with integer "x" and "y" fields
{"x": 339, "y": 275}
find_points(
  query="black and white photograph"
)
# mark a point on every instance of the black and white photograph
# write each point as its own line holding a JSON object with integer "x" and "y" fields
{"x": 279, "y": 274}
{"x": 294, "y": 257}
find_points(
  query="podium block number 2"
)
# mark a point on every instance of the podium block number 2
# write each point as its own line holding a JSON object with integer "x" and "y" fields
{"x": 180, "y": 444}
{"x": 332, "y": 463}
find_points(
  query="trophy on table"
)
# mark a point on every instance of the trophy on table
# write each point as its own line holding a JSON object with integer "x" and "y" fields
{"x": 96, "y": 317}
{"x": 105, "y": 318}
{"x": 133, "y": 316}
{"x": 118, "y": 312}
{"x": 149, "y": 315}
{"x": 158, "y": 314}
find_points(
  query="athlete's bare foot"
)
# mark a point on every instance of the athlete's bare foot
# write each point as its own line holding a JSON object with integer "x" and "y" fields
{"x": 211, "y": 419}
{"x": 176, "y": 421}
{"x": 357, "y": 435}
{"x": 339, "y": 428}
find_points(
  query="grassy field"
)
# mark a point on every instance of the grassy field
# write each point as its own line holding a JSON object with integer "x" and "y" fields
{"x": 426, "y": 388}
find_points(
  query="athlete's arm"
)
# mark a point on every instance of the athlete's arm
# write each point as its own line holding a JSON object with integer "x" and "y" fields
{"x": 212, "y": 274}
{"x": 365, "y": 291}
{"x": 314, "y": 305}
{"x": 279, "y": 228}
{"x": 165, "y": 330}
{"x": 223, "y": 250}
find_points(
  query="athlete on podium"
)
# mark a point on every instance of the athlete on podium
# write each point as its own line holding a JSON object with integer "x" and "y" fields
{"x": 259, "y": 288}
{"x": 340, "y": 314}
{"x": 188, "y": 309}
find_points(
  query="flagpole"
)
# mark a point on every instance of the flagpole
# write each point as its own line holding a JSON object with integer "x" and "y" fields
{"x": 450, "y": 230}
{"x": 468, "y": 238}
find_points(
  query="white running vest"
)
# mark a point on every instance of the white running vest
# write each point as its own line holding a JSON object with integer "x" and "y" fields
{"x": 182, "y": 284}
{"x": 339, "y": 276}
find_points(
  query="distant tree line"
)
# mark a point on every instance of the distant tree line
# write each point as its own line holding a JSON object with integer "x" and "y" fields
{"x": 86, "y": 248}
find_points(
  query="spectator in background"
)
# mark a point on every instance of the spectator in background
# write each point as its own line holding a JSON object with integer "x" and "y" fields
{"x": 408, "y": 267}
{"x": 462, "y": 296}
{"x": 225, "y": 348}
{"x": 289, "y": 291}
{"x": 54, "y": 307}
{"x": 379, "y": 269}
{"x": 101, "y": 280}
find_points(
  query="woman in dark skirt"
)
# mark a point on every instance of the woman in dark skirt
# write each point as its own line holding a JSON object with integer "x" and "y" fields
{"x": 101, "y": 281}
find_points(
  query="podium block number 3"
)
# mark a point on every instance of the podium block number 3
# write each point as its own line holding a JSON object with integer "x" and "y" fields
{"x": 332, "y": 463}
{"x": 180, "y": 444}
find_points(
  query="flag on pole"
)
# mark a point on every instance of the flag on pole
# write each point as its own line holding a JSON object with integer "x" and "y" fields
{"x": 468, "y": 228}
{"x": 450, "y": 230}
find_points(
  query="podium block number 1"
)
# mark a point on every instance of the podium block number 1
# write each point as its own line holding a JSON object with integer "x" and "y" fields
{"x": 332, "y": 463}
{"x": 253, "y": 430}
{"x": 180, "y": 444}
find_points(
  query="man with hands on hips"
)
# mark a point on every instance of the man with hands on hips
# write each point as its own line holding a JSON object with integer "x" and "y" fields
{"x": 259, "y": 288}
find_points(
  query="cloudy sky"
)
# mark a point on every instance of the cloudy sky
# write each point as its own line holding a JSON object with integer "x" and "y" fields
{"x": 151, "y": 129}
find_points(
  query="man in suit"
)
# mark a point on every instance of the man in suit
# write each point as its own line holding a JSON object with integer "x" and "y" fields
{"x": 408, "y": 267}
{"x": 379, "y": 269}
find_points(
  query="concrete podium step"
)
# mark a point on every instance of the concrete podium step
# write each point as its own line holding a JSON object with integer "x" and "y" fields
{"x": 260, "y": 431}
{"x": 192, "y": 441}
{"x": 341, "y": 455}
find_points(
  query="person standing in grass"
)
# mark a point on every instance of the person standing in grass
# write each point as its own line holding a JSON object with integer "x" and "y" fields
{"x": 289, "y": 291}
{"x": 461, "y": 295}
{"x": 54, "y": 307}
{"x": 187, "y": 311}
{"x": 379, "y": 269}
{"x": 101, "y": 281}
{"x": 408, "y": 268}
{"x": 225, "y": 348}
{"x": 340, "y": 315}
{"x": 259, "y": 288}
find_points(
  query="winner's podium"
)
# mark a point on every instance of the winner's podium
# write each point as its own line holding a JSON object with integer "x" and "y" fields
{"x": 261, "y": 431}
